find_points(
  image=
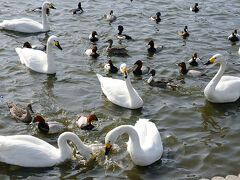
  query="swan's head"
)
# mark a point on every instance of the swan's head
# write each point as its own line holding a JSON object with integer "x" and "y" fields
{"x": 48, "y": 5}
{"x": 123, "y": 69}
{"x": 54, "y": 40}
{"x": 29, "y": 107}
{"x": 216, "y": 58}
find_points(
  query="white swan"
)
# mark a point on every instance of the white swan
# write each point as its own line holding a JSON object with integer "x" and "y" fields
{"x": 222, "y": 89}
{"x": 120, "y": 92}
{"x": 26, "y": 25}
{"x": 29, "y": 151}
{"x": 38, "y": 60}
{"x": 239, "y": 51}
{"x": 144, "y": 145}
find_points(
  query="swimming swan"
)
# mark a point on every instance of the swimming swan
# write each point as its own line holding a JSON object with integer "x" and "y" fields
{"x": 38, "y": 60}
{"x": 222, "y": 89}
{"x": 26, "y": 25}
{"x": 144, "y": 145}
{"x": 120, "y": 92}
{"x": 29, "y": 151}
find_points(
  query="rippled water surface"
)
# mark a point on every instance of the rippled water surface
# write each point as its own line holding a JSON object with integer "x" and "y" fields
{"x": 200, "y": 139}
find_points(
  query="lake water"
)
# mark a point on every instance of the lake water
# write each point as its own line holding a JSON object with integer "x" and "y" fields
{"x": 200, "y": 139}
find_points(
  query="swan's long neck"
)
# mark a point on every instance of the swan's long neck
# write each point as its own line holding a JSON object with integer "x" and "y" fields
{"x": 50, "y": 57}
{"x": 65, "y": 150}
{"x": 129, "y": 87}
{"x": 44, "y": 19}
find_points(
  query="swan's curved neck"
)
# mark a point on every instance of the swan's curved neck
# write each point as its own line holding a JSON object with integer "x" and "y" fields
{"x": 129, "y": 87}
{"x": 65, "y": 150}
{"x": 44, "y": 19}
{"x": 50, "y": 57}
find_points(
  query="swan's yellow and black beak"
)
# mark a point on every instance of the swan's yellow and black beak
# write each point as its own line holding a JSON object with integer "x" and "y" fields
{"x": 58, "y": 45}
{"x": 93, "y": 157}
{"x": 108, "y": 148}
{"x": 124, "y": 70}
{"x": 210, "y": 61}
{"x": 51, "y": 6}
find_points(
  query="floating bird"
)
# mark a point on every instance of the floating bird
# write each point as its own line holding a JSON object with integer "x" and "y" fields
{"x": 40, "y": 61}
{"x": 92, "y": 52}
{"x": 79, "y": 10}
{"x": 234, "y": 36}
{"x": 85, "y": 123}
{"x": 152, "y": 48}
{"x": 28, "y": 25}
{"x": 29, "y": 151}
{"x": 122, "y": 36}
{"x": 194, "y": 8}
{"x": 93, "y": 36}
{"x": 144, "y": 144}
{"x": 140, "y": 69}
{"x": 194, "y": 61}
{"x": 239, "y": 51}
{"x": 183, "y": 33}
{"x": 37, "y": 46}
{"x": 121, "y": 92}
{"x": 115, "y": 50}
{"x": 222, "y": 89}
{"x": 110, "y": 67}
{"x": 48, "y": 127}
{"x": 192, "y": 73}
{"x": 156, "y": 17}
{"x": 21, "y": 114}
{"x": 111, "y": 17}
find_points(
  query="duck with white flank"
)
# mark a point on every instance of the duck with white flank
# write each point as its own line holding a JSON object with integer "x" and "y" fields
{"x": 159, "y": 82}
{"x": 92, "y": 52}
{"x": 21, "y": 114}
{"x": 144, "y": 145}
{"x": 120, "y": 92}
{"x": 152, "y": 48}
{"x": 110, "y": 67}
{"x": 85, "y": 123}
{"x": 183, "y": 33}
{"x": 40, "y": 61}
{"x": 192, "y": 73}
{"x": 234, "y": 36}
{"x": 79, "y": 10}
{"x": 156, "y": 17}
{"x": 194, "y": 8}
{"x": 28, "y": 25}
{"x": 140, "y": 69}
{"x": 111, "y": 17}
{"x": 37, "y": 46}
{"x": 93, "y": 37}
{"x": 194, "y": 61}
{"x": 29, "y": 151}
{"x": 48, "y": 127}
{"x": 122, "y": 36}
{"x": 115, "y": 50}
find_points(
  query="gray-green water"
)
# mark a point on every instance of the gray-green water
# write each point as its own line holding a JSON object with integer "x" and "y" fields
{"x": 200, "y": 139}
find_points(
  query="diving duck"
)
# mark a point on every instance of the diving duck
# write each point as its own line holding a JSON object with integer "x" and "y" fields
{"x": 192, "y": 73}
{"x": 194, "y": 8}
{"x": 156, "y": 17}
{"x": 234, "y": 36}
{"x": 122, "y": 36}
{"x": 93, "y": 36}
{"x": 21, "y": 114}
{"x": 111, "y": 16}
{"x": 183, "y": 33}
{"x": 92, "y": 52}
{"x": 37, "y": 46}
{"x": 115, "y": 49}
{"x": 140, "y": 69}
{"x": 110, "y": 67}
{"x": 152, "y": 48}
{"x": 79, "y": 10}
{"x": 194, "y": 61}
{"x": 85, "y": 123}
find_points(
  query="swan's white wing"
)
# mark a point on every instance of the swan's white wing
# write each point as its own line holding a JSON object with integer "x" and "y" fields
{"x": 22, "y": 25}
{"x": 229, "y": 78}
{"x": 33, "y": 59}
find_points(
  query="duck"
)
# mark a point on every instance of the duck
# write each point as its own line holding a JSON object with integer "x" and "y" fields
{"x": 93, "y": 36}
{"x": 30, "y": 151}
{"x": 194, "y": 8}
{"x": 144, "y": 145}
{"x": 222, "y": 89}
{"x": 156, "y": 17}
{"x": 40, "y": 61}
{"x": 110, "y": 67}
{"x": 79, "y": 10}
{"x": 140, "y": 69}
{"x": 26, "y": 25}
{"x": 19, "y": 113}
{"x": 152, "y": 48}
{"x": 234, "y": 36}
{"x": 122, "y": 36}
{"x": 115, "y": 50}
{"x": 194, "y": 61}
{"x": 120, "y": 92}
{"x": 183, "y": 33}
{"x": 37, "y": 46}
{"x": 85, "y": 123}
{"x": 192, "y": 73}
{"x": 92, "y": 52}
{"x": 159, "y": 82}
{"x": 48, "y": 127}
{"x": 111, "y": 17}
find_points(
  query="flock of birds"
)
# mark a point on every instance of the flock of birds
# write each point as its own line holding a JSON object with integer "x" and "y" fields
{"x": 144, "y": 145}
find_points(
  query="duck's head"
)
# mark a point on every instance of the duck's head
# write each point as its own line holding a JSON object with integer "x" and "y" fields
{"x": 48, "y": 5}
{"x": 194, "y": 55}
{"x": 120, "y": 28}
{"x": 152, "y": 72}
{"x": 182, "y": 65}
{"x": 80, "y": 6}
{"x": 94, "y": 33}
{"x": 29, "y": 107}
{"x": 39, "y": 119}
{"x": 54, "y": 40}
{"x": 110, "y": 62}
{"x": 151, "y": 43}
{"x": 158, "y": 14}
{"x": 185, "y": 28}
{"x": 235, "y": 31}
{"x": 92, "y": 117}
{"x": 216, "y": 58}
{"x": 27, "y": 45}
{"x": 196, "y": 4}
{"x": 139, "y": 64}
{"x": 123, "y": 69}
{"x": 94, "y": 48}
{"x": 110, "y": 41}
{"x": 111, "y": 12}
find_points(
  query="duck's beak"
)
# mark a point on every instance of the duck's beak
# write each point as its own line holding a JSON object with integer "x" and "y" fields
{"x": 30, "y": 108}
{"x": 58, "y": 45}
{"x": 51, "y": 6}
{"x": 108, "y": 148}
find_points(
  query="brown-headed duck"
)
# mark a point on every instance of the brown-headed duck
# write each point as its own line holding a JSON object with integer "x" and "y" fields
{"x": 37, "y": 46}
{"x": 140, "y": 69}
{"x": 85, "y": 123}
{"x": 194, "y": 61}
{"x": 152, "y": 48}
{"x": 110, "y": 67}
{"x": 192, "y": 73}
{"x": 234, "y": 36}
{"x": 92, "y": 52}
